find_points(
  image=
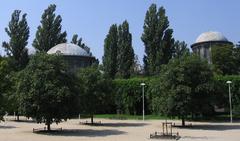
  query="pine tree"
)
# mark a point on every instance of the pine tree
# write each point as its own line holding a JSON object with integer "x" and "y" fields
{"x": 18, "y": 31}
{"x": 158, "y": 40}
{"x": 125, "y": 55}
{"x": 79, "y": 42}
{"x": 110, "y": 52}
{"x": 49, "y": 32}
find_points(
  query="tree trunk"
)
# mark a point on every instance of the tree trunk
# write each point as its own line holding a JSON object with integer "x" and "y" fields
{"x": 91, "y": 119}
{"x": 17, "y": 117}
{"x": 48, "y": 125}
{"x": 183, "y": 121}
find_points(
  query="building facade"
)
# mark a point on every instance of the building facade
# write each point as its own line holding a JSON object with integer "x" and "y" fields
{"x": 75, "y": 56}
{"x": 206, "y": 41}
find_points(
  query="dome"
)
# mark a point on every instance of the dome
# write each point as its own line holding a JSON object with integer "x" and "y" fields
{"x": 211, "y": 36}
{"x": 68, "y": 49}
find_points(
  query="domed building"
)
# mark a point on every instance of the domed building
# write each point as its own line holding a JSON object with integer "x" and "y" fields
{"x": 75, "y": 56}
{"x": 206, "y": 41}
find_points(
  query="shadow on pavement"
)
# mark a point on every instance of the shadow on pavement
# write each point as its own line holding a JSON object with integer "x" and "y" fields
{"x": 212, "y": 127}
{"x": 123, "y": 124}
{"x": 83, "y": 133}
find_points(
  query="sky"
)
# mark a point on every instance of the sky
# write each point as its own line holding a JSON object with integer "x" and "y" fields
{"x": 91, "y": 19}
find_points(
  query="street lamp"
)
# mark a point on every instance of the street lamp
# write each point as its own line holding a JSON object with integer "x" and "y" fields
{"x": 143, "y": 84}
{"x": 230, "y": 99}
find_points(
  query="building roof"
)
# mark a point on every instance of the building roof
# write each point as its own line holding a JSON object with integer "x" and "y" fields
{"x": 211, "y": 36}
{"x": 68, "y": 49}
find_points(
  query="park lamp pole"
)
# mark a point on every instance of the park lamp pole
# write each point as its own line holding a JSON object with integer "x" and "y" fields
{"x": 143, "y": 84}
{"x": 230, "y": 99}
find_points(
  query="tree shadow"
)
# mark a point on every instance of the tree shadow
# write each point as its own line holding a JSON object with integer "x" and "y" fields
{"x": 83, "y": 133}
{"x": 212, "y": 127}
{"x": 7, "y": 127}
{"x": 124, "y": 124}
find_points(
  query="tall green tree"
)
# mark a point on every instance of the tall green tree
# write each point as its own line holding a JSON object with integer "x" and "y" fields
{"x": 18, "y": 31}
{"x": 125, "y": 53}
{"x": 97, "y": 91}
{"x": 46, "y": 91}
{"x": 157, "y": 39}
{"x": 79, "y": 42}
{"x": 109, "y": 58}
{"x": 49, "y": 33}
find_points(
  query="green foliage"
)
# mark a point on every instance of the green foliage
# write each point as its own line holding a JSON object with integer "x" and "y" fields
{"x": 125, "y": 51}
{"x": 180, "y": 49}
{"x": 224, "y": 59}
{"x": 128, "y": 95}
{"x": 222, "y": 97}
{"x": 184, "y": 88}
{"x": 96, "y": 91}
{"x": 79, "y": 42}
{"x": 118, "y": 52}
{"x": 158, "y": 40}
{"x": 4, "y": 86}
{"x": 49, "y": 32}
{"x": 18, "y": 31}
{"x": 46, "y": 91}
{"x": 110, "y": 52}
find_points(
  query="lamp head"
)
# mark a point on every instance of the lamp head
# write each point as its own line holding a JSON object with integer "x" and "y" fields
{"x": 229, "y": 82}
{"x": 142, "y": 84}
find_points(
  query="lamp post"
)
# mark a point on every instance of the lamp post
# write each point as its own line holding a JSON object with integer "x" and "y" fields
{"x": 230, "y": 99}
{"x": 143, "y": 84}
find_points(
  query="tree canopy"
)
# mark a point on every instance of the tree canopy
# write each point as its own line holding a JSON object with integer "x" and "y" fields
{"x": 125, "y": 53}
{"x": 46, "y": 91}
{"x": 4, "y": 85}
{"x": 18, "y": 31}
{"x": 185, "y": 88}
{"x": 97, "y": 90}
{"x": 118, "y": 51}
{"x": 224, "y": 59}
{"x": 157, "y": 39}
{"x": 49, "y": 33}
{"x": 109, "y": 58}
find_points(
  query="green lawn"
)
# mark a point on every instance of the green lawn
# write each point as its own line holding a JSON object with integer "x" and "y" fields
{"x": 133, "y": 117}
{"x": 217, "y": 118}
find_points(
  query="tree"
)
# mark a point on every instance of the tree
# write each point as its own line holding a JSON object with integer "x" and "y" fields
{"x": 185, "y": 87}
{"x": 4, "y": 86}
{"x": 49, "y": 32}
{"x": 96, "y": 94}
{"x": 157, "y": 39}
{"x": 223, "y": 59}
{"x": 46, "y": 91}
{"x": 109, "y": 58}
{"x": 125, "y": 53}
{"x": 180, "y": 49}
{"x": 136, "y": 67}
{"x": 18, "y": 31}
{"x": 236, "y": 56}
{"x": 78, "y": 42}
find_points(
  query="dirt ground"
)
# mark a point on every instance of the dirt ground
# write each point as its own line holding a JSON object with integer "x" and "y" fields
{"x": 116, "y": 130}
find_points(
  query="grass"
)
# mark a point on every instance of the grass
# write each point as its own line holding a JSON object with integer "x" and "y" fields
{"x": 217, "y": 118}
{"x": 131, "y": 117}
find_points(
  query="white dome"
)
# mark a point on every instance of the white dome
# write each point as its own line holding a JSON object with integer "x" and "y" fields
{"x": 68, "y": 49}
{"x": 211, "y": 36}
